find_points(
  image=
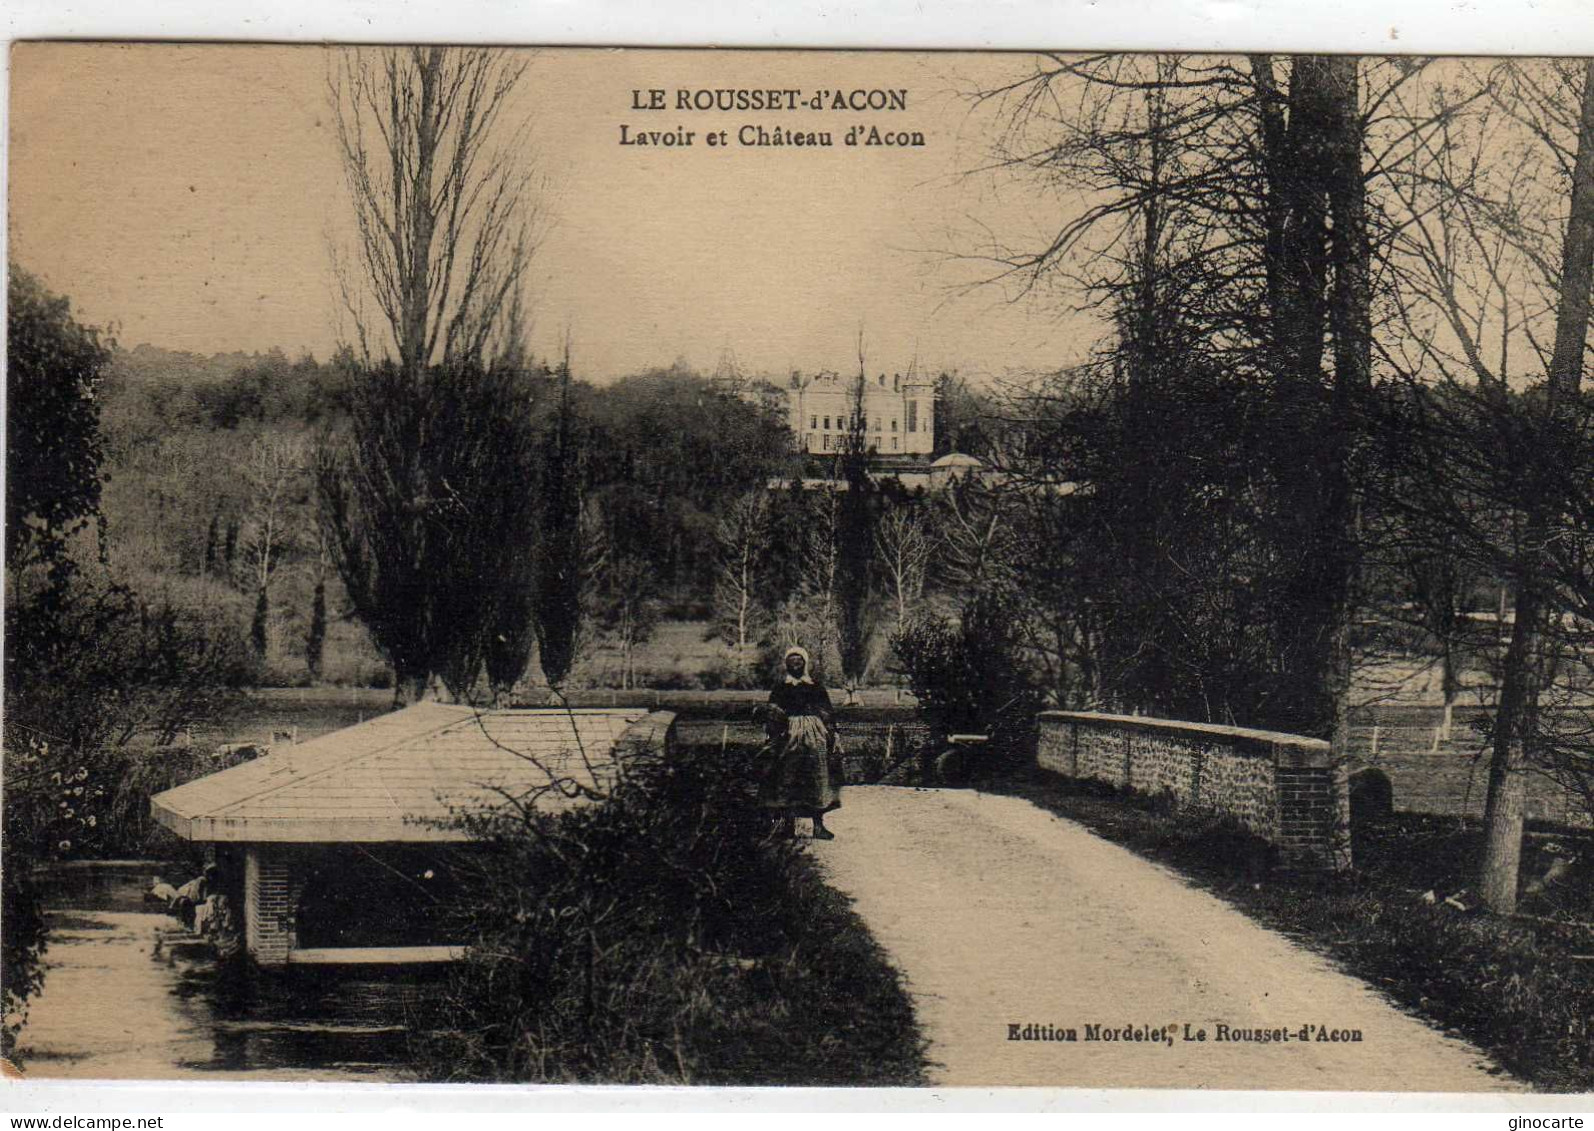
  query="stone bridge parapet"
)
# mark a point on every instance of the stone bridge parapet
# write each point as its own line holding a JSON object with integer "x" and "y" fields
{"x": 1282, "y": 788}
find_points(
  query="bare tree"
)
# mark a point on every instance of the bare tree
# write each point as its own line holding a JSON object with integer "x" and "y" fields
{"x": 447, "y": 206}
{"x": 1516, "y": 719}
{"x": 628, "y": 610}
{"x": 902, "y": 545}
{"x": 1492, "y": 264}
{"x": 810, "y": 615}
{"x": 742, "y": 542}
{"x": 273, "y": 469}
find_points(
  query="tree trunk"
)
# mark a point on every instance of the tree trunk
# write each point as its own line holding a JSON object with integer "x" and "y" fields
{"x": 418, "y": 182}
{"x": 1506, "y": 805}
{"x": 1450, "y": 681}
{"x": 1516, "y": 718}
{"x": 1301, "y": 161}
{"x": 1351, "y": 320}
{"x": 259, "y": 627}
{"x": 410, "y": 685}
{"x": 1517, "y": 715}
{"x": 315, "y": 640}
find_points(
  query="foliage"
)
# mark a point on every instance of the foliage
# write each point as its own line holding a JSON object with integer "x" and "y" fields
{"x": 53, "y": 448}
{"x": 425, "y": 489}
{"x": 1160, "y": 586}
{"x": 176, "y": 507}
{"x": 53, "y": 456}
{"x": 742, "y": 584}
{"x": 89, "y": 663}
{"x": 963, "y": 415}
{"x": 316, "y": 638}
{"x": 557, "y": 581}
{"x": 855, "y": 523}
{"x": 112, "y": 666}
{"x": 675, "y": 453}
{"x": 969, "y": 675}
{"x": 150, "y": 392}
{"x": 663, "y": 937}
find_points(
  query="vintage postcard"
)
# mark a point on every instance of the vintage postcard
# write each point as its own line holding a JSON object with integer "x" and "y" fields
{"x": 816, "y": 568}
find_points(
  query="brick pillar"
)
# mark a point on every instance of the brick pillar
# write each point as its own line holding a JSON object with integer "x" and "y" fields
{"x": 1307, "y": 815}
{"x": 272, "y": 887}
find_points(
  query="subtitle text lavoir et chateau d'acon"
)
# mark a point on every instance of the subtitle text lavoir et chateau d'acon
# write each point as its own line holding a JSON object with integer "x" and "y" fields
{"x": 768, "y": 133}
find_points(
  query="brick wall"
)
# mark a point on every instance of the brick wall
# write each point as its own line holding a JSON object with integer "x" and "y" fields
{"x": 1280, "y": 787}
{"x": 273, "y": 883}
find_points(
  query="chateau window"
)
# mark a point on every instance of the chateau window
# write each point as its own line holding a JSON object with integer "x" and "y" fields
{"x": 827, "y": 443}
{"x": 893, "y": 443}
{"x": 877, "y": 424}
{"x": 813, "y": 422}
{"x": 893, "y": 424}
{"x": 827, "y": 425}
{"x": 913, "y": 416}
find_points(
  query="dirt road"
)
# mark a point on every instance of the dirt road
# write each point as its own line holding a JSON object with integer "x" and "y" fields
{"x": 1003, "y": 916}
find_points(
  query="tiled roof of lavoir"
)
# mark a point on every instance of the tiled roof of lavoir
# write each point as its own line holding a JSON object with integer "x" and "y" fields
{"x": 394, "y": 777}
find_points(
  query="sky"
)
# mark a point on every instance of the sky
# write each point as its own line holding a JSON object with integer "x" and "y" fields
{"x": 189, "y": 196}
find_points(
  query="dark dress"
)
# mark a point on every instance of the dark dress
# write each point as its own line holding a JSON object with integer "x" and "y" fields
{"x": 799, "y": 779}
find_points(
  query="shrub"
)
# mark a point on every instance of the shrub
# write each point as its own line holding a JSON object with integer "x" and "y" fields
{"x": 662, "y": 937}
{"x": 91, "y": 667}
{"x": 968, "y": 675}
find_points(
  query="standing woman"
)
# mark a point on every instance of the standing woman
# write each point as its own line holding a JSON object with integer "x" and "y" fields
{"x": 799, "y": 782}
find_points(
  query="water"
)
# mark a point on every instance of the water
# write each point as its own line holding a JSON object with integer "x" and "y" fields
{"x": 130, "y": 994}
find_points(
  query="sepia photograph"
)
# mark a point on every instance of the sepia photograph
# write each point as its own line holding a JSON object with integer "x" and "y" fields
{"x": 806, "y": 568}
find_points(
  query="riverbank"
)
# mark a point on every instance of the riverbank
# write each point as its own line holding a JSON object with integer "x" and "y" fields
{"x": 130, "y": 994}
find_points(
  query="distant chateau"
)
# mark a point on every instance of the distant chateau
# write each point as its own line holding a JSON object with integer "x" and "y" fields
{"x": 898, "y": 412}
{"x": 898, "y": 420}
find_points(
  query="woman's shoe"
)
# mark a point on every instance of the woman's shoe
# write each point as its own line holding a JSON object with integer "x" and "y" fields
{"x": 822, "y": 833}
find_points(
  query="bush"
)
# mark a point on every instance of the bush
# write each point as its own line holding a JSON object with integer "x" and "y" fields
{"x": 91, "y": 667}
{"x": 735, "y": 670}
{"x": 662, "y": 937}
{"x": 968, "y": 675}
